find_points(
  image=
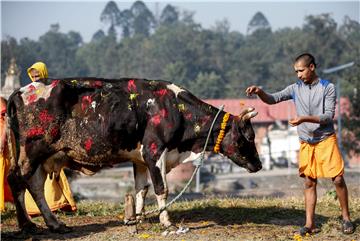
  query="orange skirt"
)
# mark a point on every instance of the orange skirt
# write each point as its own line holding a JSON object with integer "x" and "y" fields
{"x": 322, "y": 159}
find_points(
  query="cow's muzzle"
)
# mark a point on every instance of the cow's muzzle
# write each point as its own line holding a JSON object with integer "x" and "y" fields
{"x": 254, "y": 167}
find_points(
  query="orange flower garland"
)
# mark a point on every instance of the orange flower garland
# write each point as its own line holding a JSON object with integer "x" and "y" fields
{"x": 221, "y": 133}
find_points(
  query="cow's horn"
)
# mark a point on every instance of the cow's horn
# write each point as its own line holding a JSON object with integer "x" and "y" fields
{"x": 249, "y": 115}
{"x": 245, "y": 111}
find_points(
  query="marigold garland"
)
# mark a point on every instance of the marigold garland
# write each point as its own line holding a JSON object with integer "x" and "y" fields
{"x": 221, "y": 133}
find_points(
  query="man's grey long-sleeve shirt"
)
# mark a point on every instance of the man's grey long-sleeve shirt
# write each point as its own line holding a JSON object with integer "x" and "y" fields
{"x": 315, "y": 99}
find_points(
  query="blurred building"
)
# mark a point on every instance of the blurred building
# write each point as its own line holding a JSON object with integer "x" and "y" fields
{"x": 12, "y": 79}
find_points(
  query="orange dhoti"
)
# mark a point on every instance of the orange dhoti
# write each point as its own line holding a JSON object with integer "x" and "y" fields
{"x": 57, "y": 193}
{"x": 322, "y": 159}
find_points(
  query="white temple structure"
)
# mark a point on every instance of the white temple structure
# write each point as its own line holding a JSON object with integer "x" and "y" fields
{"x": 12, "y": 80}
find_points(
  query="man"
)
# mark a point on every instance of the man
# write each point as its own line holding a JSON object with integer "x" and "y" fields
{"x": 319, "y": 154}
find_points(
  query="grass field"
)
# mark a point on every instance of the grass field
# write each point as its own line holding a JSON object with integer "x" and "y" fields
{"x": 212, "y": 218}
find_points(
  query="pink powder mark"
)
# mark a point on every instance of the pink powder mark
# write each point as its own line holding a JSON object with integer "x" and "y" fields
{"x": 85, "y": 102}
{"x": 156, "y": 119}
{"x": 31, "y": 98}
{"x": 45, "y": 117}
{"x": 188, "y": 116}
{"x": 161, "y": 93}
{"x": 153, "y": 148}
{"x": 205, "y": 119}
{"x": 163, "y": 113}
{"x": 88, "y": 143}
{"x": 54, "y": 83}
{"x": 131, "y": 86}
{"x": 36, "y": 131}
{"x": 31, "y": 88}
{"x": 96, "y": 84}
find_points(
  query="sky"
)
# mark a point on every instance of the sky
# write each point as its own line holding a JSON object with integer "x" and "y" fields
{"x": 32, "y": 19}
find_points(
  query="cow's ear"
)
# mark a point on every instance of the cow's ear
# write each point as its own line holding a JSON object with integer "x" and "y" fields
{"x": 246, "y": 130}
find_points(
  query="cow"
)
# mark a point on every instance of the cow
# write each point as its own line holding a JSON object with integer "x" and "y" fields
{"x": 87, "y": 124}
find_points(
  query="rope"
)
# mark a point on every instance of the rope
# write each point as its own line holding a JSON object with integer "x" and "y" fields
{"x": 198, "y": 163}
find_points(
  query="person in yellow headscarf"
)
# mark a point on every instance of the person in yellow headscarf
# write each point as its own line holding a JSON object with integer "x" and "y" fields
{"x": 37, "y": 71}
{"x": 57, "y": 192}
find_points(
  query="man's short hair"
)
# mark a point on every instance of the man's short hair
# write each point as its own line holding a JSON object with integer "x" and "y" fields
{"x": 306, "y": 58}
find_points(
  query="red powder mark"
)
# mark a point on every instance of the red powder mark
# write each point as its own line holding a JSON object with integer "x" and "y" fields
{"x": 45, "y": 117}
{"x": 54, "y": 132}
{"x": 36, "y": 131}
{"x": 188, "y": 116}
{"x": 131, "y": 86}
{"x": 31, "y": 98}
{"x": 31, "y": 88}
{"x": 163, "y": 113}
{"x": 96, "y": 84}
{"x": 54, "y": 83}
{"x": 161, "y": 93}
{"x": 88, "y": 143}
{"x": 85, "y": 102}
{"x": 156, "y": 119}
{"x": 205, "y": 119}
{"x": 230, "y": 150}
{"x": 153, "y": 148}
{"x": 170, "y": 125}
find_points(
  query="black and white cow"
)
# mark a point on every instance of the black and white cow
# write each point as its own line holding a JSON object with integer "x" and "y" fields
{"x": 87, "y": 124}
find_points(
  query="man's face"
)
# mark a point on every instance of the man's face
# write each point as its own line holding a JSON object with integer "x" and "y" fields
{"x": 35, "y": 75}
{"x": 304, "y": 72}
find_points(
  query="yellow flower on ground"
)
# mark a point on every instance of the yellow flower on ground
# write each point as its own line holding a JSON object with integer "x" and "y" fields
{"x": 144, "y": 236}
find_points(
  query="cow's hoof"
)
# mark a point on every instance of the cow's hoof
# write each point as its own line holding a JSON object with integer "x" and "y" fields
{"x": 62, "y": 228}
{"x": 169, "y": 230}
{"x": 140, "y": 218}
{"x": 31, "y": 228}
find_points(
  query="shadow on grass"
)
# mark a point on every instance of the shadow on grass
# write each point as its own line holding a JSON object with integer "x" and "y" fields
{"x": 77, "y": 232}
{"x": 241, "y": 215}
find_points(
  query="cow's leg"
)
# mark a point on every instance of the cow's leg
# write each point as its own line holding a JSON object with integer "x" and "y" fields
{"x": 141, "y": 188}
{"x": 161, "y": 189}
{"x": 36, "y": 189}
{"x": 18, "y": 191}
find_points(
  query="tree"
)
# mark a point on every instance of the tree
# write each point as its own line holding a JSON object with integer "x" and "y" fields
{"x": 258, "y": 22}
{"x": 58, "y": 51}
{"x": 98, "y": 36}
{"x": 351, "y": 136}
{"x": 111, "y": 15}
{"x": 169, "y": 15}
{"x": 208, "y": 86}
{"x": 143, "y": 19}
{"x": 126, "y": 22}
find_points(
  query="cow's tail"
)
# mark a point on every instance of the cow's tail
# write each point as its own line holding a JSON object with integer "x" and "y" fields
{"x": 12, "y": 129}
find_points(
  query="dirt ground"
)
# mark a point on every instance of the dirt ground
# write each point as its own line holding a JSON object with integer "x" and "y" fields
{"x": 241, "y": 218}
{"x": 111, "y": 228}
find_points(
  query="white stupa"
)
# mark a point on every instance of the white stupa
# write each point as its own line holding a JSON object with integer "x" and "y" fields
{"x": 12, "y": 79}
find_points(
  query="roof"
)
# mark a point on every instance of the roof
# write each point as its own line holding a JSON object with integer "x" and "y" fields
{"x": 282, "y": 111}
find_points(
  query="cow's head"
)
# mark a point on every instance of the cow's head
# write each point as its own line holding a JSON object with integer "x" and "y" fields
{"x": 239, "y": 144}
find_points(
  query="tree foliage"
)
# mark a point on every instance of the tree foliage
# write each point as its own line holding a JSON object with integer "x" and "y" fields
{"x": 212, "y": 63}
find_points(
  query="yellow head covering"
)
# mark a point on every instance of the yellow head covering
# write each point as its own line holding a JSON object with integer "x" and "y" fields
{"x": 41, "y": 67}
